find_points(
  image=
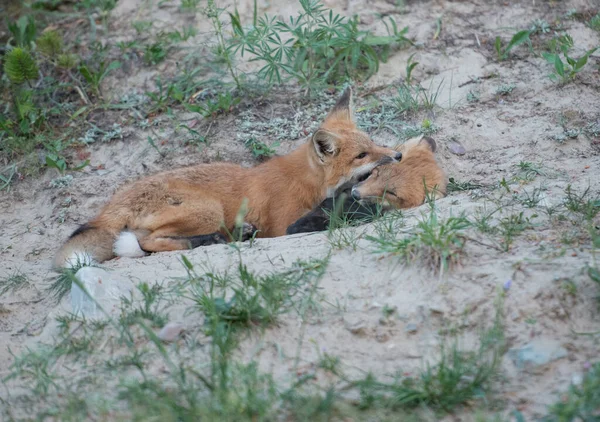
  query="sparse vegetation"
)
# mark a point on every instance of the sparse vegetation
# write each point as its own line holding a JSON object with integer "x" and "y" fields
{"x": 270, "y": 330}
{"x": 436, "y": 243}
{"x": 517, "y": 39}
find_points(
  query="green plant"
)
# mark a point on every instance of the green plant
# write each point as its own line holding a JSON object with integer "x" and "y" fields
{"x": 531, "y": 199}
{"x": 539, "y": 26}
{"x": 528, "y": 171}
{"x": 584, "y": 204}
{"x": 473, "y": 96}
{"x": 580, "y": 402}
{"x": 255, "y": 299}
{"x": 56, "y": 161}
{"x": 190, "y": 4}
{"x": 406, "y": 101}
{"x": 149, "y": 309}
{"x": 95, "y": 77}
{"x": 455, "y": 186}
{"x": 505, "y": 89}
{"x": 259, "y": 149}
{"x": 20, "y": 67}
{"x": 142, "y": 26}
{"x": 7, "y": 176}
{"x": 594, "y": 22}
{"x": 517, "y": 39}
{"x": 566, "y": 71}
{"x": 50, "y": 44}
{"x": 511, "y": 226}
{"x": 429, "y": 96}
{"x": 459, "y": 375}
{"x": 14, "y": 282}
{"x": 155, "y": 53}
{"x": 410, "y": 66}
{"x": 323, "y": 47}
{"x": 23, "y": 31}
{"x": 437, "y": 243}
{"x": 560, "y": 42}
{"x": 225, "y": 102}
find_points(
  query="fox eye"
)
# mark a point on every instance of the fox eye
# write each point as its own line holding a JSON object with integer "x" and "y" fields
{"x": 361, "y": 155}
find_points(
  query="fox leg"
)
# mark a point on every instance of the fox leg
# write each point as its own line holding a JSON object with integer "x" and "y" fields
{"x": 180, "y": 227}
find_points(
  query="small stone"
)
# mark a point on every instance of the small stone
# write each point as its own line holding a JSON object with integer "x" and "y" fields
{"x": 411, "y": 328}
{"x": 382, "y": 336}
{"x": 536, "y": 354}
{"x": 456, "y": 147}
{"x": 171, "y": 331}
{"x": 576, "y": 379}
{"x": 356, "y": 326}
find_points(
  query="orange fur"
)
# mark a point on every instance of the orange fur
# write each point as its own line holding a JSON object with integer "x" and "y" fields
{"x": 161, "y": 210}
{"x": 405, "y": 184}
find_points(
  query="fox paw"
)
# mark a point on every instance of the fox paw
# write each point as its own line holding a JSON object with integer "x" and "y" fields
{"x": 244, "y": 233}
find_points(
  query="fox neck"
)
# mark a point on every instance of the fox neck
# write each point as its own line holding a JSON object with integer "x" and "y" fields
{"x": 302, "y": 168}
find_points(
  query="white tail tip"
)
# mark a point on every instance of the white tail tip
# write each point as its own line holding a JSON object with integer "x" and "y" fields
{"x": 128, "y": 246}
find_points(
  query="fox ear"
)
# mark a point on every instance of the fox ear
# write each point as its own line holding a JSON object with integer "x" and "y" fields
{"x": 426, "y": 140}
{"x": 325, "y": 143}
{"x": 343, "y": 109}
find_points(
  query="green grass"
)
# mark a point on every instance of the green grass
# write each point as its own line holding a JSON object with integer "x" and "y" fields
{"x": 580, "y": 402}
{"x": 435, "y": 243}
{"x": 511, "y": 226}
{"x": 584, "y": 204}
{"x": 456, "y": 186}
{"x": 14, "y": 282}
{"x": 203, "y": 376}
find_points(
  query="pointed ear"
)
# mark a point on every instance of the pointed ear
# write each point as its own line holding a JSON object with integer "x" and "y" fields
{"x": 325, "y": 144}
{"x": 419, "y": 140}
{"x": 343, "y": 109}
{"x": 426, "y": 140}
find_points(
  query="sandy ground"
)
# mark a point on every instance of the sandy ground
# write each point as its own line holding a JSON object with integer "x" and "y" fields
{"x": 498, "y": 132}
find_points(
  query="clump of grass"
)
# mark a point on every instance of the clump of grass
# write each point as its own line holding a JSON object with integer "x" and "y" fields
{"x": 322, "y": 47}
{"x": 437, "y": 243}
{"x": 581, "y": 402}
{"x": 455, "y": 186}
{"x": 254, "y": 300}
{"x": 458, "y": 377}
{"x": 511, "y": 226}
{"x": 150, "y": 309}
{"x": 528, "y": 171}
{"x": 14, "y": 282}
{"x": 259, "y": 149}
{"x": 64, "y": 280}
{"x": 594, "y": 22}
{"x": 505, "y": 89}
{"x": 584, "y": 204}
{"x": 517, "y": 39}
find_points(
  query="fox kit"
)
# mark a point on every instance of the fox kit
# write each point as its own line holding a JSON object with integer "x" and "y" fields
{"x": 404, "y": 184}
{"x": 198, "y": 205}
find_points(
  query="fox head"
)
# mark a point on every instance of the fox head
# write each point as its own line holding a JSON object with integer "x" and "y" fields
{"x": 405, "y": 184}
{"x": 345, "y": 153}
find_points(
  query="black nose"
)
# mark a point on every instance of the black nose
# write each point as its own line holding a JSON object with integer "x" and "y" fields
{"x": 398, "y": 156}
{"x": 355, "y": 194}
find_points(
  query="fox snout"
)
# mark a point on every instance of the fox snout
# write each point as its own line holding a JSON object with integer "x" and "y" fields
{"x": 361, "y": 173}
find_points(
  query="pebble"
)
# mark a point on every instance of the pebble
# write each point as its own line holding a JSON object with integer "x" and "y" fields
{"x": 171, "y": 331}
{"x": 536, "y": 354}
{"x": 357, "y": 327}
{"x": 411, "y": 328}
{"x": 456, "y": 147}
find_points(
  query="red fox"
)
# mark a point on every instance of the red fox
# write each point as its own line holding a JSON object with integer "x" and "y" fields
{"x": 405, "y": 184}
{"x": 198, "y": 205}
